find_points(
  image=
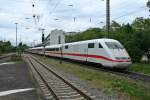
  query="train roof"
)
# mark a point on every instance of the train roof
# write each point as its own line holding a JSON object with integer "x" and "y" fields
{"x": 79, "y": 42}
{"x": 54, "y": 46}
{"x": 36, "y": 48}
{"x": 94, "y": 40}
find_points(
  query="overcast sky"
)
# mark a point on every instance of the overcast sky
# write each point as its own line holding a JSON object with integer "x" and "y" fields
{"x": 57, "y": 14}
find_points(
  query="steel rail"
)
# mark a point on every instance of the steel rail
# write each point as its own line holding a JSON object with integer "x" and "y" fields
{"x": 53, "y": 93}
{"x": 61, "y": 78}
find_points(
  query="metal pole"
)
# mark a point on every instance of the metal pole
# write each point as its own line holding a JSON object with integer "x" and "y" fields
{"x": 16, "y": 35}
{"x": 43, "y": 42}
{"x": 108, "y": 17}
{"x": 42, "y": 34}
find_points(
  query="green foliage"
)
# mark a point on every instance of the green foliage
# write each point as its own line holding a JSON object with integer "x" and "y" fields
{"x": 5, "y": 47}
{"x": 92, "y": 33}
{"x": 131, "y": 89}
{"x": 135, "y": 36}
{"x": 142, "y": 68}
{"x": 22, "y": 47}
{"x": 148, "y": 4}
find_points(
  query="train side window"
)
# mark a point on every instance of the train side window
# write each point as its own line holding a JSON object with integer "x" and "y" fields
{"x": 100, "y": 46}
{"x": 91, "y": 45}
{"x": 66, "y": 47}
{"x": 57, "y": 49}
{"x": 52, "y": 49}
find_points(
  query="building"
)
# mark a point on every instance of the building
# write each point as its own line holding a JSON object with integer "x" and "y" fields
{"x": 71, "y": 33}
{"x": 55, "y": 37}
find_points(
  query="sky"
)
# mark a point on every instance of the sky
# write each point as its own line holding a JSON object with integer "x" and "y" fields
{"x": 68, "y": 15}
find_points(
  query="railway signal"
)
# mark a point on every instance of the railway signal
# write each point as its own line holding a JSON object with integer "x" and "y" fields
{"x": 43, "y": 40}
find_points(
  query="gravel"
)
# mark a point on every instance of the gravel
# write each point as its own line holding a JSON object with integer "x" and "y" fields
{"x": 85, "y": 86}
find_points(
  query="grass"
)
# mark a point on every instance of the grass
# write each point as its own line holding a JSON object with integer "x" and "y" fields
{"x": 141, "y": 68}
{"x": 107, "y": 82}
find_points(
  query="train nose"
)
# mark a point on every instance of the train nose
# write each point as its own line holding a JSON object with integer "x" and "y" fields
{"x": 123, "y": 64}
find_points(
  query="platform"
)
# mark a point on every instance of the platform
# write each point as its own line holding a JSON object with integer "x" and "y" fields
{"x": 17, "y": 83}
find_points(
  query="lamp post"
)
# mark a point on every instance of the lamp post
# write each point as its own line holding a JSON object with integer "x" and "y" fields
{"x": 16, "y": 35}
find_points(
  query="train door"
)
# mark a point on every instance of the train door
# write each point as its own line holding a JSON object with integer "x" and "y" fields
{"x": 90, "y": 51}
{"x": 61, "y": 51}
{"x": 85, "y": 53}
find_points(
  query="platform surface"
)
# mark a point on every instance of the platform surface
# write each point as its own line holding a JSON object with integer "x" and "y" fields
{"x": 17, "y": 83}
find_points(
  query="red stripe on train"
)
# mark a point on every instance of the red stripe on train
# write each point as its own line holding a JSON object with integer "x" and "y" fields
{"x": 92, "y": 56}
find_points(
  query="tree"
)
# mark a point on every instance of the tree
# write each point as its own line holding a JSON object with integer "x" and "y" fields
{"x": 148, "y": 5}
{"x": 92, "y": 33}
{"x": 141, "y": 24}
{"x": 143, "y": 32}
{"x": 22, "y": 47}
{"x": 115, "y": 26}
{"x": 5, "y": 47}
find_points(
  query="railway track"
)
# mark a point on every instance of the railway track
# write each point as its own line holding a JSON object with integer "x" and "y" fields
{"x": 129, "y": 74}
{"x": 4, "y": 56}
{"x": 54, "y": 86}
{"x": 126, "y": 73}
{"x": 137, "y": 76}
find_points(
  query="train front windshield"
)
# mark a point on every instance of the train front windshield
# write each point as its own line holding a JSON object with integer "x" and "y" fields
{"x": 114, "y": 45}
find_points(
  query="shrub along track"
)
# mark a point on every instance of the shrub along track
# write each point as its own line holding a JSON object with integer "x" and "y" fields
{"x": 53, "y": 85}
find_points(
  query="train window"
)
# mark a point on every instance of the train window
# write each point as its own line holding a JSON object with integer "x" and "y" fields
{"x": 120, "y": 46}
{"x": 53, "y": 49}
{"x": 50, "y": 49}
{"x": 66, "y": 46}
{"x": 91, "y": 45}
{"x": 57, "y": 49}
{"x": 110, "y": 45}
{"x": 100, "y": 46}
{"x": 114, "y": 45}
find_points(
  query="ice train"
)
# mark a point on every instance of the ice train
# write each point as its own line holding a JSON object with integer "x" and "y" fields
{"x": 106, "y": 52}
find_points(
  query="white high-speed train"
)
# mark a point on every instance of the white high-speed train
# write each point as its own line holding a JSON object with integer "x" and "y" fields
{"x": 107, "y": 52}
